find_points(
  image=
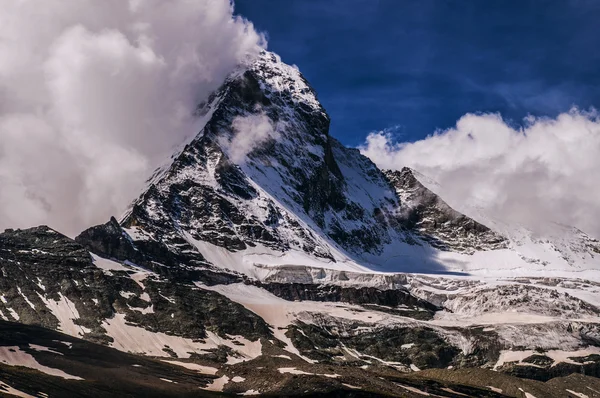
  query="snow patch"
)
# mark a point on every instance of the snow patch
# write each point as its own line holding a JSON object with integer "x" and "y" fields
{"x": 208, "y": 370}
{"x": 13, "y": 356}
{"x": 13, "y": 313}
{"x": 413, "y": 389}
{"x": 64, "y": 310}
{"x": 250, "y": 392}
{"x": 577, "y": 394}
{"x": 130, "y": 338}
{"x": 293, "y": 371}
{"x": 41, "y": 348}
{"x": 5, "y": 388}
{"x": 218, "y": 384}
{"x": 107, "y": 265}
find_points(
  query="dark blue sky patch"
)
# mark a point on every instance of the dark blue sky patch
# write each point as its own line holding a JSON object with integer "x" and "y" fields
{"x": 417, "y": 66}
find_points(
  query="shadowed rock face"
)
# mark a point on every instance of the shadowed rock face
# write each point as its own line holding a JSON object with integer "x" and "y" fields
{"x": 210, "y": 198}
{"x": 427, "y": 348}
{"x": 540, "y": 367}
{"x": 388, "y": 300}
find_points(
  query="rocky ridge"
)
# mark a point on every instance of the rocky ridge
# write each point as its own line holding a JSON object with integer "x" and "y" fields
{"x": 438, "y": 224}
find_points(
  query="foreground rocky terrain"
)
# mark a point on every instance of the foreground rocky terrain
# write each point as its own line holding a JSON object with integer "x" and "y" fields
{"x": 288, "y": 264}
{"x": 37, "y": 362}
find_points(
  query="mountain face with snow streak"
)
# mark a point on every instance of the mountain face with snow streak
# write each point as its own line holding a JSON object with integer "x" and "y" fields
{"x": 269, "y": 251}
{"x": 282, "y": 193}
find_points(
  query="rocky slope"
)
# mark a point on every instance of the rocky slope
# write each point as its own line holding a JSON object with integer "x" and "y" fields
{"x": 268, "y": 258}
{"x": 264, "y": 183}
{"x": 37, "y": 362}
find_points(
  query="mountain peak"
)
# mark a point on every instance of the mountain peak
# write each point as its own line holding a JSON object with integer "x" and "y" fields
{"x": 279, "y": 78}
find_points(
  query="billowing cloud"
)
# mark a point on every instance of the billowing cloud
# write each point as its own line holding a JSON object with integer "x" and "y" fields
{"x": 95, "y": 94}
{"x": 546, "y": 171}
{"x": 248, "y": 133}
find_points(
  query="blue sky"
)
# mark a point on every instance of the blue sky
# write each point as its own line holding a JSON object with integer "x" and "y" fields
{"x": 415, "y": 66}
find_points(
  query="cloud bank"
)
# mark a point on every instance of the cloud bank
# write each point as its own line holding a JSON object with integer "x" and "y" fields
{"x": 95, "y": 94}
{"x": 545, "y": 172}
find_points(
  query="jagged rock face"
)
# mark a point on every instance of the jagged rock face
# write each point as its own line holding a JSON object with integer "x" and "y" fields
{"x": 38, "y": 265}
{"x": 426, "y": 214}
{"x": 519, "y": 298}
{"x": 401, "y": 346}
{"x": 264, "y": 173}
{"x": 545, "y": 245}
{"x": 540, "y": 367}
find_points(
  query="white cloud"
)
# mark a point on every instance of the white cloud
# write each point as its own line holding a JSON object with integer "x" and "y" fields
{"x": 249, "y": 132}
{"x": 94, "y": 94}
{"x": 545, "y": 172}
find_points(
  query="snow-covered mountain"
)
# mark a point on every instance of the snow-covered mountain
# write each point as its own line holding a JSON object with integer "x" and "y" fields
{"x": 295, "y": 196}
{"x": 271, "y": 259}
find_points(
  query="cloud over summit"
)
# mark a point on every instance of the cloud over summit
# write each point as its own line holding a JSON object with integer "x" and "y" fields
{"x": 93, "y": 95}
